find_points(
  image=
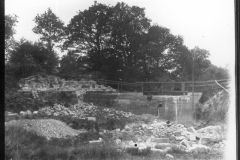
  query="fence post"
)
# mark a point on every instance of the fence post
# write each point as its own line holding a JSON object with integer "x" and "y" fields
{"x": 142, "y": 87}
{"x": 162, "y": 88}
{"x": 118, "y": 85}
{"x": 183, "y": 88}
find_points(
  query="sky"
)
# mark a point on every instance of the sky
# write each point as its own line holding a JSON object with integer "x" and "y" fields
{"x": 208, "y": 24}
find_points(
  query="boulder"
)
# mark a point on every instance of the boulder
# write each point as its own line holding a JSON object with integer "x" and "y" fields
{"x": 100, "y": 140}
{"x": 127, "y": 128}
{"x": 118, "y": 141}
{"x": 91, "y": 119}
{"x": 169, "y": 156}
{"x": 35, "y": 112}
{"x": 22, "y": 113}
{"x": 192, "y": 137}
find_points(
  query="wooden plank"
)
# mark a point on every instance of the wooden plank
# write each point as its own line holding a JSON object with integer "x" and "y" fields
{"x": 164, "y": 93}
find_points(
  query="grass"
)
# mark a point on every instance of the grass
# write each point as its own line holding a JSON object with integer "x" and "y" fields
{"x": 21, "y": 144}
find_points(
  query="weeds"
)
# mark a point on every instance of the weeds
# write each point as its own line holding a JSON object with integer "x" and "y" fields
{"x": 22, "y": 144}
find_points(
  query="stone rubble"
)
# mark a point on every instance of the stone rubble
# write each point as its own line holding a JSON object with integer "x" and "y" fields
{"x": 163, "y": 138}
{"x": 156, "y": 135}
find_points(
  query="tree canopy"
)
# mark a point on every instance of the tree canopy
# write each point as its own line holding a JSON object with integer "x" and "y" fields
{"x": 29, "y": 58}
{"x": 50, "y": 27}
{"x": 118, "y": 42}
{"x": 10, "y": 23}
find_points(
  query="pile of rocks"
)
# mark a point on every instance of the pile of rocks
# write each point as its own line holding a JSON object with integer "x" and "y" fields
{"x": 80, "y": 110}
{"x": 163, "y": 138}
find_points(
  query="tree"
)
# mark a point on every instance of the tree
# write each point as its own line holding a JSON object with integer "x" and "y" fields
{"x": 50, "y": 27}
{"x": 31, "y": 58}
{"x": 215, "y": 73}
{"x": 106, "y": 33}
{"x": 72, "y": 65}
{"x": 90, "y": 30}
{"x": 10, "y": 23}
{"x": 201, "y": 63}
{"x": 120, "y": 43}
{"x": 159, "y": 52}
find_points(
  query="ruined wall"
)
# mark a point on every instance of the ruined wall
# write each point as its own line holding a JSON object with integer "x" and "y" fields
{"x": 56, "y": 90}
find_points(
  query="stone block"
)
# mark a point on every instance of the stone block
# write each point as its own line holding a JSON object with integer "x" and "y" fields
{"x": 205, "y": 140}
{"x": 169, "y": 156}
{"x": 177, "y": 133}
{"x": 185, "y": 143}
{"x": 91, "y": 119}
{"x": 160, "y": 140}
{"x": 192, "y": 137}
{"x": 180, "y": 138}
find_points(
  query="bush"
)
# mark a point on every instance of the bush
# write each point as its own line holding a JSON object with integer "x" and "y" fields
{"x": 16, "y": 102}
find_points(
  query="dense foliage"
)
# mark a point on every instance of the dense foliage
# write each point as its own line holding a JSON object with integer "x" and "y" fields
{"x": 50, "y": 27}
{"x": 120, "y": 43}
{"x": 10, "y": 23}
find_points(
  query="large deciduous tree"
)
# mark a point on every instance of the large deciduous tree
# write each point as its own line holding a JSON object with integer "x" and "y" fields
{"x": 50, "y": 27}
{"x": 120, "y": 42}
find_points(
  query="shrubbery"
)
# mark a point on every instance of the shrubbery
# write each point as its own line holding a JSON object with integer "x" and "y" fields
{"x": 16, "y": 102}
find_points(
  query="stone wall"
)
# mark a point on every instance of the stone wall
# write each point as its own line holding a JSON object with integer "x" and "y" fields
{"x": 175, "y": 108}
{"x": 56, "y": 90}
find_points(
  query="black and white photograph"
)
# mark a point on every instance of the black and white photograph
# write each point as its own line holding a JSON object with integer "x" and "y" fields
{"x": 120, "y": 80}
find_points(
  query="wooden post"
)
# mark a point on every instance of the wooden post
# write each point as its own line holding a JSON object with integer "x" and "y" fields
{"x": 183, "y": 88}
{"x": 118, "y": 85}
{"x": 121, "y": 86}
{"x": 142, "y": 87}
{"x": 162, "y": 88}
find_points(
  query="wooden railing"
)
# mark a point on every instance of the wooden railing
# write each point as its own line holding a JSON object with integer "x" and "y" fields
{"x": 163, "y": 88}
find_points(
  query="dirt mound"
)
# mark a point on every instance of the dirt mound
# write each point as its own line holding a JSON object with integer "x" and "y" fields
{"x": 215, "y": 109}
{"x": 48, "y": 128}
